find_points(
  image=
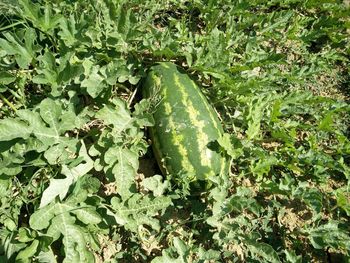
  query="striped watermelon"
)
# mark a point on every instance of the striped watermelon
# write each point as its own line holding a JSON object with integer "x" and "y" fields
{"x": 186, "y": 126}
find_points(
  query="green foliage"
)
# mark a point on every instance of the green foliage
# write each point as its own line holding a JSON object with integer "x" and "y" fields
{"x": 78, "y": 181}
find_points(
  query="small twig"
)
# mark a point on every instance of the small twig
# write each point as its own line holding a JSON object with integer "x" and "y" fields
{"x": 132, "y": 97}
{"x": 14, "y": 94}
{"x": 8, "y": 103}
{"x": 12, "y": 25}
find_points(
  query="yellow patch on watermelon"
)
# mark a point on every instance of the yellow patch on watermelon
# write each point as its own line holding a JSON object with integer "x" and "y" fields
{"x": 212, "y": 117}
{"x": 178, "y": 141}
{"x": 167, "y": 108}
{"x": 202, "y": 138}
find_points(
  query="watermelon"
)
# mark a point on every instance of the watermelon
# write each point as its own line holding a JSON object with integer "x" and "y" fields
{"x": 186, "y": 125}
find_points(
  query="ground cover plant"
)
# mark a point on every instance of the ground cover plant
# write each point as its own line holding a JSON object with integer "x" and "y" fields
{"x": 78, "y": 180}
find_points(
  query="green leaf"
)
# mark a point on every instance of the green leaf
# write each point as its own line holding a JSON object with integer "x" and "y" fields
{"x": 156, "y": 184}
{"x": 181, "y": 247}
{"x": 75, "y": 245}
{"x": 30, "y": 10}
{"x": 85, "y": 185}
{"x": 94, "y": 80}
{"x": 6, "y": 78}
{"x": 57, "y": 218}
{"x": 12, "y": 128}
{"x": 124, "y": 175}
{"x": 327, "y": 122}
{"x": 74, "y": 241}
{"x": 232, "y": 149}
{"x": 4, "y": 186}
{"x": 94, "y": 83}
{"x": 310, "y": 196}
{"x": 48, "y": 125}
{"x": 255, "y": 116}
{"x": 313, "y": 198}
{"x": 36, "y": 125}
{"x": 68, "y": 30}
{"x": 166, "y": 257}
{"x": 60, "y": 187}
{"x": 209, "y": 254}
{"x": 51, "y": 112}
{"x": 329, "y": 235}
{"x": 142, "y": 113}
{"x": 125, "y": 170}
{"x": 87, "y": 215}
{"x": 57, "y": 187}
{"x": 10, "y": 224}
{"x": 263, "y": 166}
{"x": 343, "y": 200}
{"x": 292, "y": 257}
{"x": 117, "y": 115}
{"x": 46, "y": 257}
{"x": 47, "y": 72}
{"x": 8, "y": 243}
{"x": 41, "y": 218}
{"x": 23, "y": 49}
{"x": 138, "y": 210}
{"x": 27, "y": 254}
{"x": 24, "y": 235}
{"x": 125, "y": 164}
{"x": 263, "y": 251}
{"x": 45, "y": 22}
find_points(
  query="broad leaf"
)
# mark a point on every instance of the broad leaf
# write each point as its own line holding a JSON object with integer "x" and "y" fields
{"x": 139, "y": 210}
{"x": 42, "y": 217}
{"x": 23, "y": 49}
{"x": 60, "y": 187}
{"x": 117, "y": 116}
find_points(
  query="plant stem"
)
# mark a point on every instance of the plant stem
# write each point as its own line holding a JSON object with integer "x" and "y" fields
{"x": 9, "y": 26}
{"x": 8, "y": 103}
